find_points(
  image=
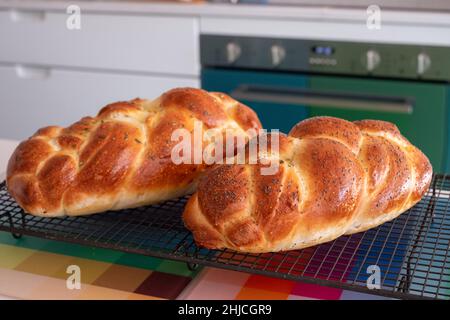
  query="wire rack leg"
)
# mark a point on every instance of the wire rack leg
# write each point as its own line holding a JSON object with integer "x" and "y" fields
{"x": 405, "y": 281}
{"x": 11, "y": 226}
{"x": 192, "y": 266}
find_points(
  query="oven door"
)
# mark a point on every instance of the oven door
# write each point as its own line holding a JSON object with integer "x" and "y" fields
{"x": 421, "y": 112}
{"x": 282, "y": 100}
{"x": 273, "y": 115}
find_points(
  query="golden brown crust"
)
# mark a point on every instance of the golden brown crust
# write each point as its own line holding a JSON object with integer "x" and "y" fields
{"x": 246, "y": 117}
{"x": 423, "y": 173}
{"x": 105, "y": 167}
{"x": 122, "y": 157}
{"x": 266, "y": 189}
{"x": 121, "y": 107}
{"x": 378, "y": 126}
{"x": 332, "y": 128}
{"x": 201, "y": 104}
{"x": 224, "y": 193}
{"x": 286, "y": 214}
{"x": 204, "y": 233}
{"x": 336, "y": 177}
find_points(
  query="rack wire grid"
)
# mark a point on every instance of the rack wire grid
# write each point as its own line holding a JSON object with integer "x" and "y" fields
{"x": 411, "y": 252}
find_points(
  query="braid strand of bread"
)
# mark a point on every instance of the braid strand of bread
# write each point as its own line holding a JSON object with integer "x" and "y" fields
{"x": 335, "y": 177}
{"x": 122, "y": 157}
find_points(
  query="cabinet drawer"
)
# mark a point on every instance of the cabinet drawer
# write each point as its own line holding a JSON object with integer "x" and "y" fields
{"x": 31, "y": 98}
{"x": 135, "y": 43}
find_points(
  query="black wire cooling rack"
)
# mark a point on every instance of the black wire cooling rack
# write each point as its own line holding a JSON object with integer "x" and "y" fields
{"x": 411, "y": 252}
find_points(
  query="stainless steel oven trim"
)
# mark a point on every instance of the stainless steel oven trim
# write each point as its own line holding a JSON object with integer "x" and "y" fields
{"x": 321, "y": 99}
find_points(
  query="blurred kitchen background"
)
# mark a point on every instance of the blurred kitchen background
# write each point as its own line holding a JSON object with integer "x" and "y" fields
{"x": 288, "y": 59}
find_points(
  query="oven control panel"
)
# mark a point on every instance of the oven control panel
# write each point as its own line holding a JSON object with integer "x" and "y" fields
{"x": 331, "y": 57}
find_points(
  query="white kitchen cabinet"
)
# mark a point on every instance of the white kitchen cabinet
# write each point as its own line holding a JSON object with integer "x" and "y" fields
{"x": 34, "y": 97}
{"x": 143, "y": 43}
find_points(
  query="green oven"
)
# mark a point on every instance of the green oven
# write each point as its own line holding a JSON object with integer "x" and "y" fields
{"x": 419, "y": 109}
{"x": 286, "y": 80}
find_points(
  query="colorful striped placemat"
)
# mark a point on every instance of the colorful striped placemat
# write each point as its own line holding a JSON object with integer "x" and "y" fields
{"x": 33, "y": 268}
{"x": 221, "y": 284}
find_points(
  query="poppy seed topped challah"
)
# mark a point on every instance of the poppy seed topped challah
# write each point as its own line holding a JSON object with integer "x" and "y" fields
{"x": 335, "y": 177}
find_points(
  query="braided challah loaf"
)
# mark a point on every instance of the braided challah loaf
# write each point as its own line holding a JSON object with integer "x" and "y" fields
{"x": 335, "y": 177}
{"x": 122, "y": 157}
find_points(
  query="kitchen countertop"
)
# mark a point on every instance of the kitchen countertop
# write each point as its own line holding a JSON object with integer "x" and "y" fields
{"x": 308, "y": 22}
{"x": 228, "y": 10}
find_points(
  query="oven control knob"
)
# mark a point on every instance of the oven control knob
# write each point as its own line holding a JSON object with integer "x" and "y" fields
{"x": 278, "y": 53}
{"x": 423, "y": 63}
{"x": 372, "y": 60}
{"x": 233, "y": 52}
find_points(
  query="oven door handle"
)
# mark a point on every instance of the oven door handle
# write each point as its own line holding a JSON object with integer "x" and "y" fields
{"x": 328, "y": 99}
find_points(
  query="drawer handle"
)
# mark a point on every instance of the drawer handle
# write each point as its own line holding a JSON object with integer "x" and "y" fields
{"x": 313, "y": 99}
{"x": 28, "y": 72}
{"x": 18, "y": 16}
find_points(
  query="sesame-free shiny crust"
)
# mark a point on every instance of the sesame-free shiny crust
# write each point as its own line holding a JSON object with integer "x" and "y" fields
{"x": 122, "y": 157}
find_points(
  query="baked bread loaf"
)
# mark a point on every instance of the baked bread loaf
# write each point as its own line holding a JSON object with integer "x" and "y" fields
{"x": 122, "y": 157}
{"x": 335, "y": 177}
